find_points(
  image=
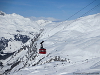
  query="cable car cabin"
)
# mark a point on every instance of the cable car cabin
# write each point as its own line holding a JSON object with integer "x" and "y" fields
{"x": 42, "y": 51}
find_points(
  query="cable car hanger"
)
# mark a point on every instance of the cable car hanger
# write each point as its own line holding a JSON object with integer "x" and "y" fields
{"x": 42, "y": 50}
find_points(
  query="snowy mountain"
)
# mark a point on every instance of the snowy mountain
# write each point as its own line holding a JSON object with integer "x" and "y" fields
{"x": 2, "y": 13}
{"x": 16, "y": 27}
{"x": 15, "y": 34}
{"x": 72, "y": 46}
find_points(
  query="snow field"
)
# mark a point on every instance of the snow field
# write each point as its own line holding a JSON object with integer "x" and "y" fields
{"x": 72, "y": 46}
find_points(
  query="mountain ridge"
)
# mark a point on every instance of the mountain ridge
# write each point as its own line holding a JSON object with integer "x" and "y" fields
{"x": 69, "y": 44}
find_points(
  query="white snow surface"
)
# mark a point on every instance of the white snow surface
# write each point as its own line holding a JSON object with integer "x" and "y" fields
{"x": 77, "y": 40}
{"x": 13, "y": 22}
{"x": 10, "y": 24}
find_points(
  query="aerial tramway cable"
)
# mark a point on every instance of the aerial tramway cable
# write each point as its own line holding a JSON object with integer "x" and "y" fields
{"x": 77, "y": 19}
{"x": 43, "y": 50}
{"x": 81, "y": 10}
{"x": 76, "y": 13}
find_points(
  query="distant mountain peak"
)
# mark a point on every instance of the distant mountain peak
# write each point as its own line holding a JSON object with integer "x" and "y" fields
{"x": 2, "y": 13}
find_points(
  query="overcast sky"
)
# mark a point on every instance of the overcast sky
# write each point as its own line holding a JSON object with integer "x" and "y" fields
{"x": 58, "y": 9}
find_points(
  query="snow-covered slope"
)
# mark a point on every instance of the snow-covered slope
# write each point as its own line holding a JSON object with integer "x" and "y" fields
{"x": 18, "y": 36}
{"x": 43, "y": 22}
{"x": 72, "y": 48}
{"x": 75, "y": 46}
{"x": 16, "y": 23}
{"x": 13, "y": 26}
{"x": 77, "y": 40}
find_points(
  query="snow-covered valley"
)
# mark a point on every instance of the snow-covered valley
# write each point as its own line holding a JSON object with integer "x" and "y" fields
{"x": 72, "y": 46}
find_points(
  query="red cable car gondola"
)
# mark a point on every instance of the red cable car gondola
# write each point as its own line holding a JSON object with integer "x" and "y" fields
{"x": 42, "y": 50}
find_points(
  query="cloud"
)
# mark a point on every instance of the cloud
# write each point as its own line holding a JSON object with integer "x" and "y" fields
{"x": 43, "y": 18}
